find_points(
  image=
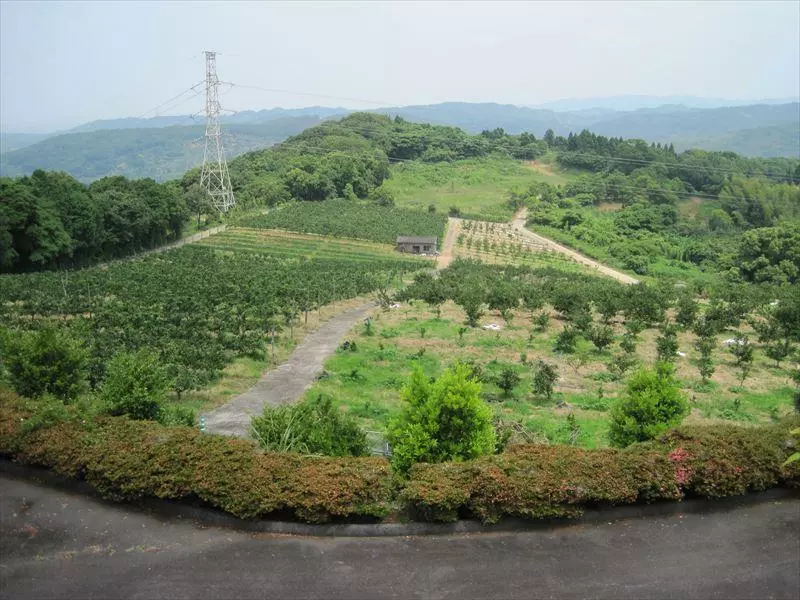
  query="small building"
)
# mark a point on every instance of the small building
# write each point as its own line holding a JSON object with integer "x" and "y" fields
{"x": 416, "y": 245}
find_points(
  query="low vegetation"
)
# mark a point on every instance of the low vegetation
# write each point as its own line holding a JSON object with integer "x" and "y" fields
{"x": 181, "y": 463}
{"x": 348, "y": 219}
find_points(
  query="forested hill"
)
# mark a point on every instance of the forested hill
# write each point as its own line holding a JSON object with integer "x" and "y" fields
{"x": 160, "y": 153}
{"x": 771, "y": 130}
{"x": 50, "y": 220}
{"x": 356, "y": 151}
{"x": 164, "y": 147}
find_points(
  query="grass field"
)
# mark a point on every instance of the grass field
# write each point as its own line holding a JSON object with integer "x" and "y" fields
{"x": 478, "y": 187}
{"x": 367, "y": 382}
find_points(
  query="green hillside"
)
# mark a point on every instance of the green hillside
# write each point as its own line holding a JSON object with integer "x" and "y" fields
{"x": 159, "y": 153}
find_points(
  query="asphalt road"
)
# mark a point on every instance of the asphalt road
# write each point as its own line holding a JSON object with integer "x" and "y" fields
{"x": 56, "y": 544}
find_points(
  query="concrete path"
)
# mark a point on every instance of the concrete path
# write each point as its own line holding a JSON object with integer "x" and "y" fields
{"x": 55, "y": 544}
{"x": 519, "y": 224}
{"x": 287, "y": 382}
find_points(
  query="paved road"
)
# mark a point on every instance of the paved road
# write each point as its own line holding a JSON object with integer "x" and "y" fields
{"x": 287, "y": 382}
{"x": 57, "y": 545}
{"x": 519, "y": 224}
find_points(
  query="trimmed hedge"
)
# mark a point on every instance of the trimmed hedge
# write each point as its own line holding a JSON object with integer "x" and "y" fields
{"x": 126, "y": 460}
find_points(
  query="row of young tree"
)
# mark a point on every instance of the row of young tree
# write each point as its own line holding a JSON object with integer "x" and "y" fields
{"x": 50, "y": 220}
{"x": 588, "y": 304}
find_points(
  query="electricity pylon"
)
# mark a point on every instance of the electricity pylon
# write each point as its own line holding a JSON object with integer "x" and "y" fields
{"x": 214, "y": 177}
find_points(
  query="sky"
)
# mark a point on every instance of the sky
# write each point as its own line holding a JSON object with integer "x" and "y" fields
{"x": 66, "y": 63}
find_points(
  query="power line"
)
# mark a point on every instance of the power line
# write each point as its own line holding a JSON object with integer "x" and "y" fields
{"x": 155, "y": 108}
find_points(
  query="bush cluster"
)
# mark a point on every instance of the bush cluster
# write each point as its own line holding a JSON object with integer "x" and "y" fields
{"x": 126, "y": 460}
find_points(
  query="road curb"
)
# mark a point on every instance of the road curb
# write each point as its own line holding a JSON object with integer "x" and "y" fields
{"x": 206, "y": 516}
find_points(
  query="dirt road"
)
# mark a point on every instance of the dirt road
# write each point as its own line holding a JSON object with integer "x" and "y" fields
{"x": 287, "y": 382}
{"x": 446, "y": 256}
{"x": 519, "y": 224}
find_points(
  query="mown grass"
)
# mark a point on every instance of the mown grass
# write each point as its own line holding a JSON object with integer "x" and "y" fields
{"x": 478, "y": 187}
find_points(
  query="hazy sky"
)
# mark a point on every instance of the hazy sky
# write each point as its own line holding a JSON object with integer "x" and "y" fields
{"x": 64, "y": 63}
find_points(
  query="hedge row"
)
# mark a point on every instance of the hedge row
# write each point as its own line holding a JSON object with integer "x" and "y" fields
{"x": 126, "y": 460}
{"x": 533, "y": 481}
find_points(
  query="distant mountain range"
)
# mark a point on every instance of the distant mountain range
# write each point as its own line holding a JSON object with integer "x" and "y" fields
{"x": 638, "y": 101}
{"x": 165, "y": 147}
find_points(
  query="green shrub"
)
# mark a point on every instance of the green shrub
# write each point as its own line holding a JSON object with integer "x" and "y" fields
{"x": 312, "y": 426}
{"x": 177, "y": 415}
{"x": 652, "y": 403}
{"x": 508, "y": 380}
{"x": 544, "y": 378}
{"x": 566, "y": 340}
{"x": 601, "y": 336}
{"x": 136, "y": 385}
{"x": 126, "y": 460}
{"x": 440, "y": 421}
{"x": 45, "y": 362}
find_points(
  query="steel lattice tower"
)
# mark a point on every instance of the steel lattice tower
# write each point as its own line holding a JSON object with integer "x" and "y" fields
{"x": 214, "y": 176}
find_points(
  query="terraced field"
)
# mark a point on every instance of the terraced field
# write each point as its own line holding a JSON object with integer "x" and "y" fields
{"x": 284, "y": 244}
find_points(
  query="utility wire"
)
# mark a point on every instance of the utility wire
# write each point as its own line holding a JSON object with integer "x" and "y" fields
{"x": 189, "y": 89}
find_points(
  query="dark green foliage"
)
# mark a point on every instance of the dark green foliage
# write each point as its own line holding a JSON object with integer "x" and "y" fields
{"x": 544, "y": 378}
{"x": 566, "y": 340}
{"x": 541, "y": 322}
{"x": 628, "y": 343}
{"x": 471, "y": 300}
{"x": 667, "y": 343}
{"x": 136, "y": 385}
{"x": 441, "y": 421}
{"x": 705, "y": 364}
{"x": 601, "y": 336}
{"x": 508, "y": 380}
{"x": 743, "y": 351}
{"x": 503, "y": 298}
{"x": 49, "y": 220}
{"x": 651, "y": 404}
{"x": 687, "y": 311}
{"x": 196, "y": 307}
{"x": 312, "y": 426}
{"x": 646, "y": 303}
{"x": 343, "y": 218}
{"x": 47, "y": 361}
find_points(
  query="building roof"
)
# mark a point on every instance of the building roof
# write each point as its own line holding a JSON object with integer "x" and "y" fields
{"x": 410, "y": 239}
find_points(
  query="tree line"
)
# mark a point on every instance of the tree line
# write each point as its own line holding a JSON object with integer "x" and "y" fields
{"x": 50, "y": 220}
